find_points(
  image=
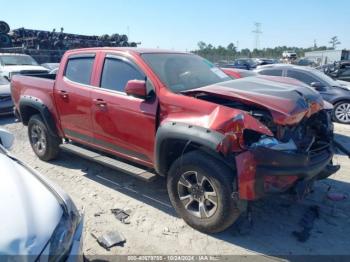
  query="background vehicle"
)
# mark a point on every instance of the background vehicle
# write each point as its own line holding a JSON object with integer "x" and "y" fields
{"x": 243, "y": 63}
{"x": 176, "y": 115}
{"x": 306, "y": 62}
{"x": 13, "y": 64}
{"x": 266, "y": 61}
{"x": 38, "y": 219}
{"x": 289, "y": 55}
{"x": 6, "y": 104}
{"x": 331, "y": 90}
{"x": 51, "y": 66}
{"x": 339, "y": 70}
{"x": 238, "y": 73}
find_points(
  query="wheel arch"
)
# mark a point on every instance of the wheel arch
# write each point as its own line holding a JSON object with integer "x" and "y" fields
{"x": 173, "y": 139}
{"x": 29, "y": 106}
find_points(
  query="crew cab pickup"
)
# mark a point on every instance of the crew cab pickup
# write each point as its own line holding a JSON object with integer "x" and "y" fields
{"x": 219, "y": 142}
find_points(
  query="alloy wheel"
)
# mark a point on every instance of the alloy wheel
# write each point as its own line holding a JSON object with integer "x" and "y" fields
{"x": 197, "y": 194}
{"x": 342, "y": 112}
{"x": 38, "y": 138}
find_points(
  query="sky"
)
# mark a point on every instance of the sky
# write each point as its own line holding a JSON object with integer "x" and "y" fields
{"x": 180, "y": 24}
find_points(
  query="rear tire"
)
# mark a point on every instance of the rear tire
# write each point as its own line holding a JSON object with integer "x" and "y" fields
{"x": 200, "y": 188}
{"x": 44, "y": 145}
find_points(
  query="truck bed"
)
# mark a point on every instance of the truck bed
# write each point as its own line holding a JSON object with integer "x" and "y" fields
{"x": 40, "y": 86}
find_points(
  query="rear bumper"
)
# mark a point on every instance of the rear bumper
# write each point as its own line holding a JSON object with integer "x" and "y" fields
{"x": 258, "y": 167}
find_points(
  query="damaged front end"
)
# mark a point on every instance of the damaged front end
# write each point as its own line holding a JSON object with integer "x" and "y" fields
{"x": 293, "y": 157}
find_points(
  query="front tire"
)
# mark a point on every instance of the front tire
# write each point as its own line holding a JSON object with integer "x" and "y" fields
{"x": 200, "y": 188}
{"x": 44, "y": 145}
{"x": 341, "y": 112}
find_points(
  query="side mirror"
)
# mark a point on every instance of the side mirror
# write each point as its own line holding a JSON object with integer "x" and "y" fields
{"x": 318, "y": 86}
{"x": 136, "y": 88}
{"x": 6, "y": 139}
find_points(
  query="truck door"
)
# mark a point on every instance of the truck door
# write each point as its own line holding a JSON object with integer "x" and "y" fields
{"x": 123, "y": 124}
{"x": 73, "y": 97}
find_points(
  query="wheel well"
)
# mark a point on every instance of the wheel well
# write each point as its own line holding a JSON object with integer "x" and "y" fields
{"x": 27, "y": 112}
{"x": 341, "y": 100}
{"x": 172, "y": 149}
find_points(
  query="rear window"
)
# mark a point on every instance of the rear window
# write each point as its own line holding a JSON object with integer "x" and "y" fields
{"x": 79, "y": 69}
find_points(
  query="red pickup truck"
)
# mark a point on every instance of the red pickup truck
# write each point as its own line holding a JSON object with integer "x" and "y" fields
{"x": 219, "y": 142}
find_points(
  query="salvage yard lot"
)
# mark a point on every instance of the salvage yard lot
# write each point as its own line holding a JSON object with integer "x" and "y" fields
{"x": 155, "y": 228}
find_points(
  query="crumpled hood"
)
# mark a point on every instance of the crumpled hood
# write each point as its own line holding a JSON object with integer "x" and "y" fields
{"x": 287, "y": 100}
{"x": 29, "y": 211}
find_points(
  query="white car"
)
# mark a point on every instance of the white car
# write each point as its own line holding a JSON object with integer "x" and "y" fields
{"x": 38, "y": 221}
{"x": 14, "y": 64}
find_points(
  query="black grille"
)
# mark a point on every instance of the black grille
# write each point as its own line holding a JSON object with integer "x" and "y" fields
{"x": 32, "y": 72}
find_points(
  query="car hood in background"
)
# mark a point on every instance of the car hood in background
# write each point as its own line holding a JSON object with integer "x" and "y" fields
{"x": 18, "y": 68}
{"x": 29, "y": 211}
{"x": 344, "y": 84}
{"x": 5, "y": 90}
{"x": 288, "y": 100}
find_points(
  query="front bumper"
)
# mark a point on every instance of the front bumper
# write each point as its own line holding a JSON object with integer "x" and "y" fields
{"x": 260, "y": 166}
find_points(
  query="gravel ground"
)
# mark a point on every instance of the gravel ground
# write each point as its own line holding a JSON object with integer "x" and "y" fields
{"x": 155, "y": 229}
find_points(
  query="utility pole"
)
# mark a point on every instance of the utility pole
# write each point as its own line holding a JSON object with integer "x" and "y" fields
{"x": 128, "y": 32}
{"x": 257, "y": 31}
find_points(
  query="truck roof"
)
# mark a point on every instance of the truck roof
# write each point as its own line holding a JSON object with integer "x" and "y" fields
{"x": 128, "y": 49}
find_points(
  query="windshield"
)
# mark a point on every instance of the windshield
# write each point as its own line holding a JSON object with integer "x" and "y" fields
{"x": 8, "y": 60}
{"x": 182, "y": 72}
{"x": 325, "y": 78}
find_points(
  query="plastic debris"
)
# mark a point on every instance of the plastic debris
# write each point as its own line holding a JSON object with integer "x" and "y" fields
{"x": 273, "y": 143}
{"x": 110, "y": 239}
{"x": 121, "y": 215}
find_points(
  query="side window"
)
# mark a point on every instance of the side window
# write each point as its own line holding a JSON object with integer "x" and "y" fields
{"x": 303, "y": 77}
{"x": 271, "y": 72}
{"x": 79, "y": 69}
{"x": 116, "y": 73}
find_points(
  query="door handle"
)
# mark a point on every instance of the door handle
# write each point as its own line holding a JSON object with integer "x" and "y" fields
{"x": 64, "y": 94}
{"x": 100, "y": 103}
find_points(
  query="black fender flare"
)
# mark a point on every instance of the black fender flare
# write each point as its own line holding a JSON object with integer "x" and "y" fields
{"x": 204, "y": 137}
{"x": 26, "y": 102}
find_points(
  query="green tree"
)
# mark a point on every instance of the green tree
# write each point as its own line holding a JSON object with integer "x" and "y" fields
{"x": 334, "y": 42}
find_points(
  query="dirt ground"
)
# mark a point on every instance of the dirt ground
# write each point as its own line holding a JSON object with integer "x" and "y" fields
{"x": 155, "y": 229}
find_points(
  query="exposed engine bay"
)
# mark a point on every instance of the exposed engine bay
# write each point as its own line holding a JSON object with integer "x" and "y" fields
{"x": 311, "y": 133}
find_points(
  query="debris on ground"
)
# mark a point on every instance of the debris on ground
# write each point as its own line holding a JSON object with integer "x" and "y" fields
{"x": 110, "y": 239}
{"x": 122, "y": 215}
{"x": 167, "y": 231}
{"x": 97, "y": 214}
{"x": 307, "y": 223}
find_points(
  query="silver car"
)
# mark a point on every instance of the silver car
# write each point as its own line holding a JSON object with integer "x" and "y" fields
{"x": 38, "y": 220}
{"x": 6, "y": 104}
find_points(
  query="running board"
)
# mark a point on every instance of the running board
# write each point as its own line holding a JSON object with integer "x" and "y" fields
{"x": 110, "y": 162}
